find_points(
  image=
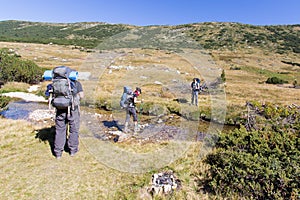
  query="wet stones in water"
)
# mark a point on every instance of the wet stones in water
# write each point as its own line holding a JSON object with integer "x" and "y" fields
{"x": 42, "y": 115}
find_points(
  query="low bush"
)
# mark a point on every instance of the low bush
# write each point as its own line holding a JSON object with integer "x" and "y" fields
{"x": 258, "y": 164}
{"x": 13, "y": 68}
{"x": 4, "y": 101}
{"x": 235, "y": 68}
{"x": 275, "y": 80}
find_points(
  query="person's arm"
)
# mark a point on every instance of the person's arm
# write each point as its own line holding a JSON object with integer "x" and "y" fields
{"x": 137, "y": 101}
{"x": 81, "y": 94}
{"x": 80, "y": 90}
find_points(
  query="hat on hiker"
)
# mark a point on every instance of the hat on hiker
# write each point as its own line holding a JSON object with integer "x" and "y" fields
{"x": 139, "y": 89}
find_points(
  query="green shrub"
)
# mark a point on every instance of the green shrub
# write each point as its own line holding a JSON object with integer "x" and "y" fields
{"x": 174, "y": 107}
{"x": 13, "y": 68}
{"x": 295, "y": 83}
{"x": 190, "y": 112}
{"x": 275, "y": 80}
{"x": 4, "y": 101}
{"x": 235, "y": 68}
{"x": 261, "y": 164}
{"x": 102, "y": 103}
{"x": 223, "y": 78}
{"x": 154, "y": 109}
{"x": 248, "y": 164}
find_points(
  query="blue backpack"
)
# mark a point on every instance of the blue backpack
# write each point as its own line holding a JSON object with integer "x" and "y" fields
{"x": 127, "y": 94}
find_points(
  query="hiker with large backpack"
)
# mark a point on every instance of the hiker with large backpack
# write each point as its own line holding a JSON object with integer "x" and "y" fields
{"x": 65, "y": 93}
{"x": 195, "y": 85}
{"x": 128, "y": 102}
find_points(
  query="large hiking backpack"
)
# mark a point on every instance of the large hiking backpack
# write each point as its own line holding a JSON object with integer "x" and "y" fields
{"x": 125, "y": 98}
{"x": 63, "y": 88}
{"x": 196, "y": 87}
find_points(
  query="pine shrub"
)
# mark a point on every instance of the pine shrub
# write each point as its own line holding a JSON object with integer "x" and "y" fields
{"x": 259, "y": 164}
{"x": 15, "y": 69}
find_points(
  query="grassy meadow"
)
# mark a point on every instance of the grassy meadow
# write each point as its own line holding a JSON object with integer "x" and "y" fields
{"x": 30, "y": 171}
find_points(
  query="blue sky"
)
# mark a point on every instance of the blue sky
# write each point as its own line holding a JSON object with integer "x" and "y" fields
{"x": 153, "y": 12}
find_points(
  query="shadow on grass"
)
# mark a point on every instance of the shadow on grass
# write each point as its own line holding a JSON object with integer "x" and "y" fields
{"x": 47, "y": 135}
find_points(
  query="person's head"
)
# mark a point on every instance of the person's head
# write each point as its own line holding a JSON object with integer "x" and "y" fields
{"x": 138, "y": 91}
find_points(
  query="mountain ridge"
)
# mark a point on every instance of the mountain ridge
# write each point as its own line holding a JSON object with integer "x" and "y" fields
{"x": 211, "y": 35}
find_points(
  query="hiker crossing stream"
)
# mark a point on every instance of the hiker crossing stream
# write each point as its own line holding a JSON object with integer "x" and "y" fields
{"x": 104, "y": 126}
{"x": 101, "y": 134}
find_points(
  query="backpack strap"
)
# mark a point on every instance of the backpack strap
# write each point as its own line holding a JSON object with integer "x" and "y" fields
{"x": 72, "y": 97}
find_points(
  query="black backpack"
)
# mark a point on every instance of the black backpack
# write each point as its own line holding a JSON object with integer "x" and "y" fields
{"x": 196, "y": 86}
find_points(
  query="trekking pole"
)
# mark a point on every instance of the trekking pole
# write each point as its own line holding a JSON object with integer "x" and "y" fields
{"x": 49, "y": 101}
{"x": 140, "y": 110}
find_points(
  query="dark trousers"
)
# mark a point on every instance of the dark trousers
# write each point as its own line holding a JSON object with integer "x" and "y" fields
{"x": 131, "y": 111}
{"x": 64, "y": 133}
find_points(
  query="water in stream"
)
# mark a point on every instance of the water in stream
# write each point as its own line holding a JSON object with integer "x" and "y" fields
{"x": 21, "y": 109}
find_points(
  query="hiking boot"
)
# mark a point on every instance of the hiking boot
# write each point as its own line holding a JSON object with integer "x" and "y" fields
{"x": 136, "y": 129}
{"x": 126, "y": 128}
{"x": 73, "y": 154}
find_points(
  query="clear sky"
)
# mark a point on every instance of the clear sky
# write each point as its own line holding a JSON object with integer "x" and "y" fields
{"x": 153, "y": 12}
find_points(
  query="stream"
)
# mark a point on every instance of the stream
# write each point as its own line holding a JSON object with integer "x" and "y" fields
{"x": 104, "y": 125}
{"x": 100, "y": 126}
{"x": 21, "y": 109}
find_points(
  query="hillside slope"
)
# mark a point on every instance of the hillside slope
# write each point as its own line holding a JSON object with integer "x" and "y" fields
{"x": 210, "y": 35}
{"x": 249, "y": 55}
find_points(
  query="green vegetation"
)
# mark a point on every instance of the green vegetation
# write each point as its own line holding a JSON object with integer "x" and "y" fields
{"x": 295, "y": 83}
{"x": 275, "y": 80}
{"x": 14, "y": 87}
{"x": 234, "y": 35}
{"x": 258, "y": 161}
{"x": 235, "y": 68}
{"x": 268, "y": 73}
{"x": 4, "y": 101}
{"x": 87, "y": 35}
{"x": 223, "y": 78}
{"x": 262, "y": 163}
{"x": 13, "y": 68}
{"x": 281, "y": 38}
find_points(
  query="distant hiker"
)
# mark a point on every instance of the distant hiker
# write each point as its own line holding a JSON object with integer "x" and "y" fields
{"x": 129, "y": 105}
{"x": 66, "y": 93}
{"x": 195, "y": 85}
